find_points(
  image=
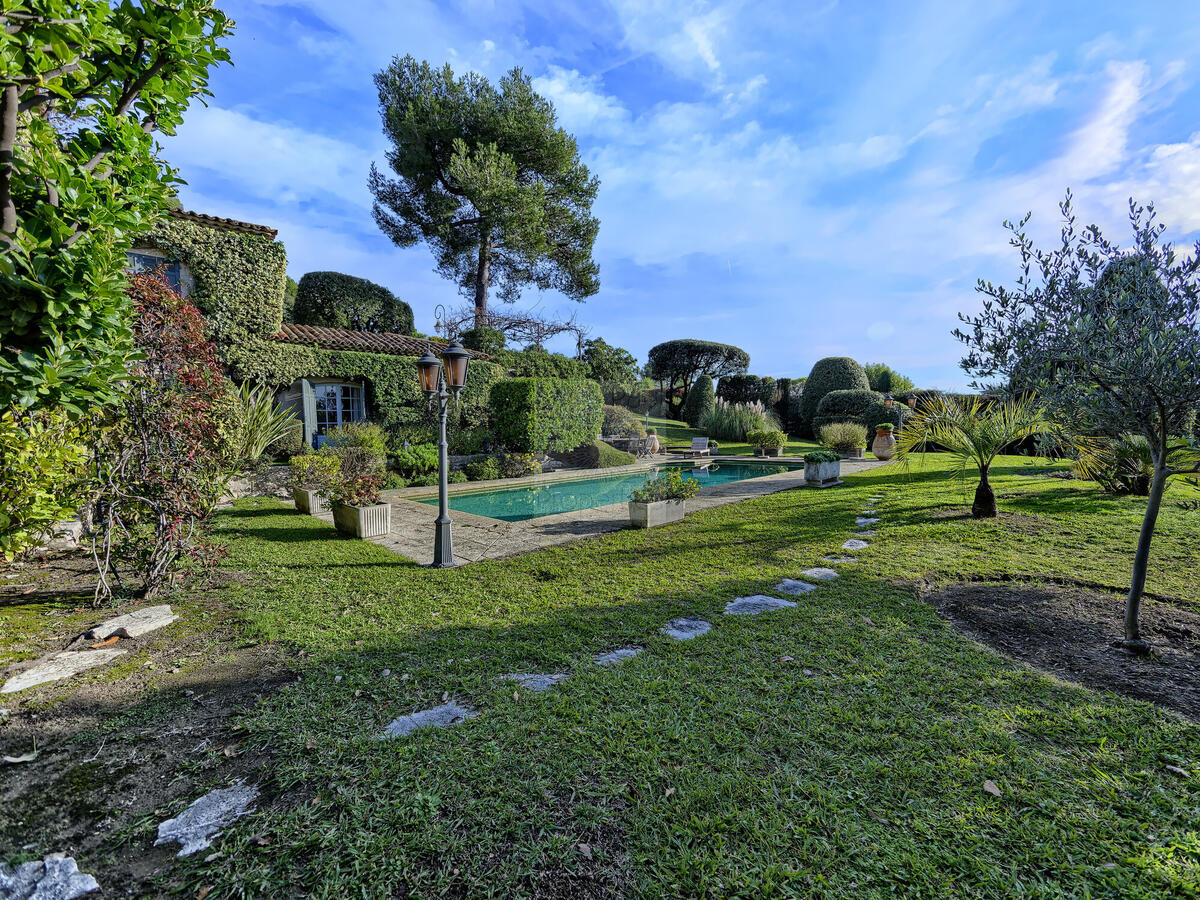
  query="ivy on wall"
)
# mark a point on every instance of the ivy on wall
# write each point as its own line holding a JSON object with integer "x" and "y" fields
{"x": 533, "y": 415}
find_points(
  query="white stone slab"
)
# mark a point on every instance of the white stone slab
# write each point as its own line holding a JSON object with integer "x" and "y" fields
{"x": 439, "y": 717}
{"x": 794, "y": 587}
{"x": 864, "y": 521}
{"x": 60, "y": 665}
{"x": 865, "y": 534}
{"x": 686, "y": 629}
{"x": 819, "y": 574}
{"x": 57, "y": 877}
{"x": 855, "y": 544}
{"x": 134, "y": 624}
{"x": 755, "y": 604}
{"x": 617, "y": 656}
{"x": 196, "y": 826}
{"x": 535, "y": 682}
{"x": 839, "y": 559}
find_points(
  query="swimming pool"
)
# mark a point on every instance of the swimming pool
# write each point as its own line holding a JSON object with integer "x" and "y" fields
{"x": 516, "y": 504}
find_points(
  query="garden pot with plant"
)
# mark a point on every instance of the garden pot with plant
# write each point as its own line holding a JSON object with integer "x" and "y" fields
{"x": 311, "y": 476}
{"x": 884, "y": 446}
{"x": 823, "y": 468}
{"x": 661, "y": 500}
{"x": 767, "y": 443}
{"x": 848, "y": 439}
{"x": 652, "y": 437}
{"x": 357, "y": 511}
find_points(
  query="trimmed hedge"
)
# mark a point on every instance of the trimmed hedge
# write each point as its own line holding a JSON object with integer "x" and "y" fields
{"x": 846, "y": 406}
{"x": 700, "y": 400}
{"x": 534, "y": 415}
{"x": 335, "y": 300}
{"x": 602, "y": 455}
{"x": 877, "y": 414}
{"x": 834, "y": 373}
{"x": 748, "y": 388}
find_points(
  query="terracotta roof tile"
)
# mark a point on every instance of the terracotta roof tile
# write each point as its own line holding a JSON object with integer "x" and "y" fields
{"x": 224, "y": 224}
{"x": 363, "y": 341}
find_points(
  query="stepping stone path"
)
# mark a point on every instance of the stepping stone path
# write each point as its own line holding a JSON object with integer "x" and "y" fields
{"x": 686, "y": 629}
{"x": 755, "y": 604}
{"x": 197, "y": 825}
{"x": 855, "y": 544}
{"x": 794, "y": 587}
{"x": 820, "y": 574}
{"x": 59, "y": 665}
{"x": 864, "y": 521}
{"x": 439, "y": 717}
{"x": 617, "y": 656}
{"x": 839, "y": 559}
{"x": 865, "y": 534}
{"x": 536, "y": 683}
{"x": 57, "y": 877}
{"x": 134, "y": 624}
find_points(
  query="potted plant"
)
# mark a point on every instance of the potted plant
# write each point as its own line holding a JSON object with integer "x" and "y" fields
{"x": 309, "y": 477}
{"x": 767, "y": 443}
{"x": 884, "y": 446}
{"x": 355, "y": 494}
{"x": 652, "y": 437}
{"x": 822, "y": 468}
{"x": 661, "y": 500}
{"x": 849, "y": 439}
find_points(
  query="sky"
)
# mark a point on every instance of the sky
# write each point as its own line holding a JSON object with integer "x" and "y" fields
{"x": 801, "y": 179}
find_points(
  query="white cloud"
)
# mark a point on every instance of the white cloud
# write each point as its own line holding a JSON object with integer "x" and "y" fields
{"x": 582, "y": 106}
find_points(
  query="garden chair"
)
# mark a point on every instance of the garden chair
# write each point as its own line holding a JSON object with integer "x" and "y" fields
{"x": 699, "y": 448}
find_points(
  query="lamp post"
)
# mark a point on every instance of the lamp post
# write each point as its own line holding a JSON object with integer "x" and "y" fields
{"x": 442, "y": 379}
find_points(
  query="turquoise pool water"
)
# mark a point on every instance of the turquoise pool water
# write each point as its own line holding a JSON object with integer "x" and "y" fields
{"x": 532, "y": 501}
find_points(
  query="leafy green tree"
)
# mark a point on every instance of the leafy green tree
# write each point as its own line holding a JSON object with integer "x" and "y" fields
{"x": 84, "y": 84}
{"x": 488, "y": 179}
{"x": 290, "y": 289}
{"x": 608, "y": 364}
{"x": 676, "y": 364}
{"x": 700, "y": 400}
{"x": 886, "y": 380}
{"x": 1109, "y": 341}
{"x": 335, "y": 300}
{"x": 486, "y": 340}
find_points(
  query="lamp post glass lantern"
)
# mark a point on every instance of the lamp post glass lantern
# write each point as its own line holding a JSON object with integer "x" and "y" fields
{"x": 440, "y": 380}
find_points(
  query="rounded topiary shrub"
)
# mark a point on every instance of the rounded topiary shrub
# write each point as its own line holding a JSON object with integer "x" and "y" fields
{"x": 700, "y": 399}
{"x": 834, "y": 373}
{"x": 845, "y": 406}
{"x": 621, "y": 422}
{"x": 335, "y": 300}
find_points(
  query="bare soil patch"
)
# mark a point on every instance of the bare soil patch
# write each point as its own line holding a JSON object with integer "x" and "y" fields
{"x": 1070, "y": 630}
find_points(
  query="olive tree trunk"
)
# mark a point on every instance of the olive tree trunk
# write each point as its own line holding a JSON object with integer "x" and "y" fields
{"x": 984, "y": 506}
{"x": 1141, "y": 560}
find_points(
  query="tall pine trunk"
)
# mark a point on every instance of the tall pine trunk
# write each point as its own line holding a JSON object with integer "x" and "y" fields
{"x": 984, "y": 506}
{"x": 482, "y": 274}
{"x": 1141, "y": 560}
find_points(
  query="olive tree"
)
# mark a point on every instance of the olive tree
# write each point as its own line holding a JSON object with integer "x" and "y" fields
{"x": 1108, "y": 339}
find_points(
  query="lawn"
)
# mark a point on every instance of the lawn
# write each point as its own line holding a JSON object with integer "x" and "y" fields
{"x": 836, "y": 749}
{"x": 675, "y": 434}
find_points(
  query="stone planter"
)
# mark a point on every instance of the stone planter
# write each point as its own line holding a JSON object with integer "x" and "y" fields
{"x": 856, "y": 453}
{"x": 822, "y": 473}
{"x": 884, "y": 446}
{"x": 660, "y": 512}
{"x": 768, "y": 451}
{"x": 309, "y": 501}
{"x": 363, "y": 521}
{"x": 655, "y": 446}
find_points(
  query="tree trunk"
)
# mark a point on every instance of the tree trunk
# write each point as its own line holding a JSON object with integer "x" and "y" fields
{"x": 1141, "y": 559}
{"x": 10, "y": 98}
{"x": 984, "y": 506}
{"x": 482, "y": 274}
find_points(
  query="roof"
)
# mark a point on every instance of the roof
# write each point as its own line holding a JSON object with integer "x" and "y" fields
{"x": 223, "y": 224}
{"x": 363, "y": 341}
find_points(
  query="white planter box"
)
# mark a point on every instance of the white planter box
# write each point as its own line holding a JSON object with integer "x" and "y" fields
{"x": 309, "y": 501}
{"x": 768, "y": 451}
{"x": 660, "y": 512}
{"x": 822, "y": 473}
{"x": 363, "y": 521}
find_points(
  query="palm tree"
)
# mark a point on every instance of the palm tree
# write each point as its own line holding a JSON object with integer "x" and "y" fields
{"x": 975, "y": 433}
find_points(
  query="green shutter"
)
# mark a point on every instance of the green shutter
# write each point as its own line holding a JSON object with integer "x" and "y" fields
{"x": 308, "y": 410}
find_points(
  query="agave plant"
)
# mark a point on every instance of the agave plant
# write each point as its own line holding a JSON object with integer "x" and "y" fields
{"x": 975, "y": 434}
{"x": 262, "y": 421}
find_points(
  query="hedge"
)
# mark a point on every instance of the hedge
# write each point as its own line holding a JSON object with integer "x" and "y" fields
{"x": 834, "y": 373}
{"x": 845, "y": 406}
{"x": 700, "y": 400}
{"x": 533, "y": 415}
{"x": 335, "y": 300}
{"x": 748, "y": 389}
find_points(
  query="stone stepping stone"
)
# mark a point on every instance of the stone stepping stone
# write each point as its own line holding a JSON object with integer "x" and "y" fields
{"x": 755, "y": 604}
{"x": 535, "y": 682}
{"x": 839, "y": 559}
{"x": 865, "y": 534}
{"x": 196, "y": 826}
{"x": 855, "y": 544}
{"x": 819, "y": 574}
{"x": 57, "y": 877}
{"x": 875, "y": 499}
{"x": 686, "y": 629}
{"x": 134, "y": 624}
{"x": 794, "y": 587}
{"x": 864, "y": 521}
{"x": 617, "y": 656}
{"x": 438, "y": 717}
{"x": 60, "y": 665}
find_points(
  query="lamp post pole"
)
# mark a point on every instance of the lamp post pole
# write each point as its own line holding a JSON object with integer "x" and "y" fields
{"x": 443, "y": 542}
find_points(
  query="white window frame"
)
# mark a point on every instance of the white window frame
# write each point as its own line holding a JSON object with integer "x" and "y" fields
{"x": 348, "y": 405}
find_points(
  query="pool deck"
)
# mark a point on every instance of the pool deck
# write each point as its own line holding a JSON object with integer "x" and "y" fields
{"x": 478, "y": 537}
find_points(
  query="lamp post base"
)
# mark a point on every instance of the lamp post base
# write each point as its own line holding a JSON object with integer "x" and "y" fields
{"x": 443, "y": 547}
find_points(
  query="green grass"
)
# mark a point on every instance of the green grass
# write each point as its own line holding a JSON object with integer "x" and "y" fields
{"x": 677, "y": 434}
{"x": 713, "y": 767}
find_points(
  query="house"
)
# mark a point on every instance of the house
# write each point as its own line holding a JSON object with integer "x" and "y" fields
{"x": 235, "y": 272}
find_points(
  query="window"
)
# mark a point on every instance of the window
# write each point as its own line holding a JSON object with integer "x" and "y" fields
{"x": 338, "y": 404}
{"x": 144, "y": 262}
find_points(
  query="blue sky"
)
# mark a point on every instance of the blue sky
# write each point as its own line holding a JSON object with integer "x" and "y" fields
{"x": 802, "y": 179}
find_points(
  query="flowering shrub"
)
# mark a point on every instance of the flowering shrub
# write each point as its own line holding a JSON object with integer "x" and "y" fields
{"x": 514, "y": 465}
{"x": 359, "y": 478}
{"x": 670, "y": 485}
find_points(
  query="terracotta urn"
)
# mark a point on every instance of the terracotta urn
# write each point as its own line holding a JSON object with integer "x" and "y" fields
{"x": 884, "y": 446}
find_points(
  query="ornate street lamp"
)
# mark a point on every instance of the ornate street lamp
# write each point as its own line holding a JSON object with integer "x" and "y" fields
{"x": 442, "y": 379}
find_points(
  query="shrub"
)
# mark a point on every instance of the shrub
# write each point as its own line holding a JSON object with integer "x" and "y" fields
{"x": 844, "y": 437}
{"x": 394, "y": 482}
{"x": 767, "y": 440}
{"x": 365, "y": 435}
{"x": 822, "y": 456}
{"x": 620, "y": 422}
{"x": 43, "y": 476}
{"x": 536, "y": 362}
{"x": 289, "y": 444}
{"x": 878, "y": 412}
{"x": 516, "y": 465}
{"x": 651, "y": 431}
{"x": 464, "y": 441}
{"x": 670, "y": 485}
{"x": 313, "y": 471}
{"x": 485, "y": 340}
{"x": 700, "y": 400}
{"x": 429, "y": 479}
{"x": 733, "y": 421}
{"x": 534, "y": 415}
{"x": 335, "y": 300}
{"x": 415, "y": 460}
{"x": 834, "y": 373}
{"x": 1124, "y": 466}
{"x": 456, "y": 476}
{"x": 845, "y": 406}
{"x": 359, "y": 478}
{"x": 605, "y": 456}
{"x": 885, "y": 426}
{"x": 262, "y": 422}
{"x": 747, "y": 389}
{"x": 886, "y": 380}
{"x": 483, "y": 469}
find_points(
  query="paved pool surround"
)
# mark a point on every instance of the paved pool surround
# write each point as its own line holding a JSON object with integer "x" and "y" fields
{"x": 479, "y": 537}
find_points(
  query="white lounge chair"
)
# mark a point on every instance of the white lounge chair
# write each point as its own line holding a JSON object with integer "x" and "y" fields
{"x": 699, "y": 448}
